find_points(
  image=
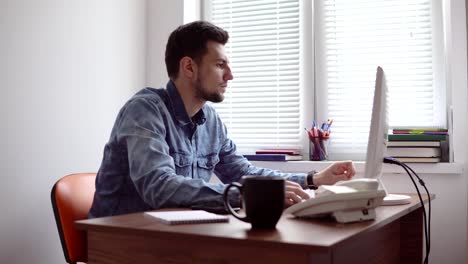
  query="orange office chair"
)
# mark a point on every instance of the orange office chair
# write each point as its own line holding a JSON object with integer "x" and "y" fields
{"x": 72, "y": 197}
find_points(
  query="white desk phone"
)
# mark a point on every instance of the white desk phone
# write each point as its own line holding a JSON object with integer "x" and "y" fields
{"x": 347, "y": 201}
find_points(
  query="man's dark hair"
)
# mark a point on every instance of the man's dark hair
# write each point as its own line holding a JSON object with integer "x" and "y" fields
{"x": 190, "y": 40}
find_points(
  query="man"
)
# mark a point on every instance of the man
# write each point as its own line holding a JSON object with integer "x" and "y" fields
{"x": 166, "y": 143}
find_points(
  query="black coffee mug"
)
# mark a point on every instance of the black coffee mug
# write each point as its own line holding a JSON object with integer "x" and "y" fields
{"x": 262, "y": 200}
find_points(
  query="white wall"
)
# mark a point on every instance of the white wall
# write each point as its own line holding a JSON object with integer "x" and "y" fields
{"x": 452, "y": 216}
{"x": 466, "y": 32}
{"x": 66, "y": 68}
{"x": 162, "y": 18}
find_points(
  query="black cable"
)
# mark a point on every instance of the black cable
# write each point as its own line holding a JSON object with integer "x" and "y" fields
{"x": 426, "y": 233}
{"x": 426, "y": 224}
{"x": 427, "y": 220}
{"x": 429, "y": 200}
{"x": 429, "y": 208}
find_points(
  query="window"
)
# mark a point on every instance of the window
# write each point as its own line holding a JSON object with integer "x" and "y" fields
{"x": 262, "y": 104}
{"x": 352, "y": 38}
{"x": 268, "y": 102}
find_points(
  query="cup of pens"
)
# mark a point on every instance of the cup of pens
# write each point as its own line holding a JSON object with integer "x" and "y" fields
{"x": 319, "y": 138}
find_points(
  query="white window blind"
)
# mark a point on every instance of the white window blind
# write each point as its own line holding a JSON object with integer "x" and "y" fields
{"x": 261, "y": 107}
{"x": 352, "y": 39}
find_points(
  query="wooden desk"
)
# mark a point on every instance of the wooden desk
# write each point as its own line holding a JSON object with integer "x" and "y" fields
{"x": 395, "y": 236}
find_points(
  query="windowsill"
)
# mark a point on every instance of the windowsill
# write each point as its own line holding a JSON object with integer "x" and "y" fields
{"x": 419, "y": 168}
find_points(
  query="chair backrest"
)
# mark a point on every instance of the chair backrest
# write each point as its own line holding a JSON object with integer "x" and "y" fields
{"x": 72, "y": 197}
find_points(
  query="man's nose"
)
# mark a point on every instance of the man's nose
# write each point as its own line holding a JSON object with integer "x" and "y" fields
{"x": 228, "y": 75}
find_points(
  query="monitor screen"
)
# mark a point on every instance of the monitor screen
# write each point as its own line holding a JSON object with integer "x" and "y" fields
{"x": 377, "y": 143}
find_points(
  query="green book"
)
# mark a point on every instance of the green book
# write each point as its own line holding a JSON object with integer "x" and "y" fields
{"x": 416, "y": 137}
{"x": 422, "y": 129}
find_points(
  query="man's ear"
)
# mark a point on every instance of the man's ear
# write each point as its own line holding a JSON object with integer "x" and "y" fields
{"x": 188, "y": 68}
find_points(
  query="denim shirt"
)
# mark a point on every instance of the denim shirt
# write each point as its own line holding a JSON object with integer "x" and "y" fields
{"x": 159, "y": 157}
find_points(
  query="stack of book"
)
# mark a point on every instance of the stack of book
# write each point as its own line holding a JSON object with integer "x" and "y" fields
{"x": 422, "y": 145}
{"x": 275, "y": 155}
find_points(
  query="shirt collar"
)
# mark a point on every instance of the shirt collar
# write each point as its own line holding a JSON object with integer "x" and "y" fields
{"x": 179, "y": 107}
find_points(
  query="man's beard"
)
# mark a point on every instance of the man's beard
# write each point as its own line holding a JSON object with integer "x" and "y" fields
{"x": 201, "y": 92}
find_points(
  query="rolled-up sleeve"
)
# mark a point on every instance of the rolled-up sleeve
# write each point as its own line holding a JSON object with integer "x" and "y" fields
{"x": 233, "y": 166}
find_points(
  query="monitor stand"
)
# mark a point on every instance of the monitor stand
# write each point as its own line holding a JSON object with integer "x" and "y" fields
{"x": 396, "y": 199}
{"x": 393, "y": 199}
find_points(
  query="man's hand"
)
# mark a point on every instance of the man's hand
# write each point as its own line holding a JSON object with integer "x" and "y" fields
{"x": 294, "y": 193}
{"x": 338, "y": 171}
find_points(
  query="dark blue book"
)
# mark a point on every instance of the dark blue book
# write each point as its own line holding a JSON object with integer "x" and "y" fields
{"x": 272, "y": 157}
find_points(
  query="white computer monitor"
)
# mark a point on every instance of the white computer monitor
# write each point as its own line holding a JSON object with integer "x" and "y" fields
{"x": 377, "y": 142}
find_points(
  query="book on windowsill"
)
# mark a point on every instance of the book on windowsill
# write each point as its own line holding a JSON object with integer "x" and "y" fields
{"x": 413, "y": 144}
{"x": 407, "y": 132}
{"x": 272, "y": 157}
{"x": 187, "y": 217}
{"x": 413, "y": 152}
{"x": 419, "y": 130}
{"x": 418, "y": 160}
{"x": 416, "y": 137}
{"x": 279, "y": 151}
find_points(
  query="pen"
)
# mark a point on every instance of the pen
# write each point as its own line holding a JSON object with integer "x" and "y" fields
{"x": 329, "y": 123}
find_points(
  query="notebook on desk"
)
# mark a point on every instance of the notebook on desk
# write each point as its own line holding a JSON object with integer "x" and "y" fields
{"x": 187, "y": 217}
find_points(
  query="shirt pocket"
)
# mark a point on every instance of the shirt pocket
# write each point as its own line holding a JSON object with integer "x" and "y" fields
{"x": 206, "y": 165}
{"x": 182, "y": 164}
